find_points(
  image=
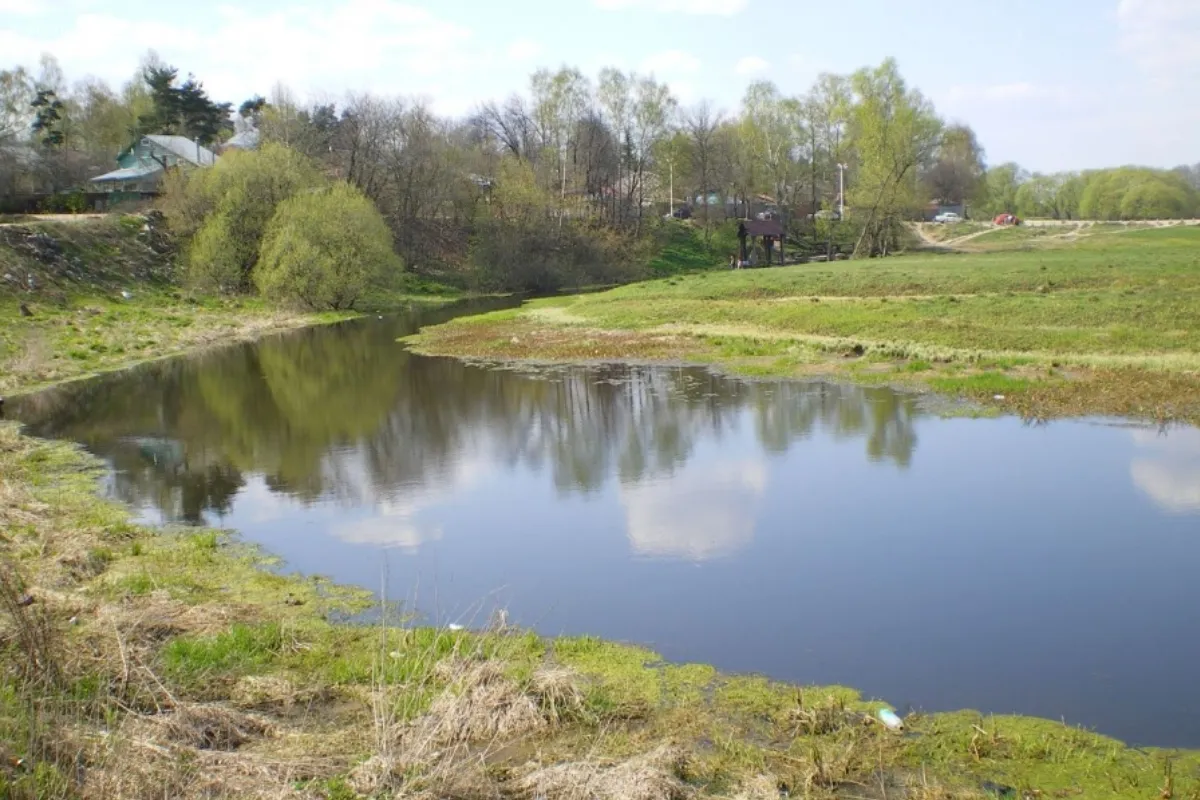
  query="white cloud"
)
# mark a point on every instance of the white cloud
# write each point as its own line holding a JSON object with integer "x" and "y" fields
{"x": 21, "y": 8}
{"x": 704, "y": 512}
{"x": 1162, "y": 37}
{"x": 1168, "y": 471}
{"x": 524, "y": 50}
{"x": 397, "y": 520}
{"x": 372, "y": 45}
{"x": 394, "y": 525}
{"x": 751, "y": 65}
{"x": 723, "y": 8}
{"x": 685, "y": 92}
{"x": 670, "y": 62}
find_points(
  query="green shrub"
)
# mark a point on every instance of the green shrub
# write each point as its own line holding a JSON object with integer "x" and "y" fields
{"x": 74, "y": 202}
{"x": 325, "y": 249}
{"x": 222, "y": 213}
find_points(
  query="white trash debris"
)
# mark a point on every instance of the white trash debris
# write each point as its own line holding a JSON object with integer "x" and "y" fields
{"x": 454, "y": 626}
{"x": 997, "y": 397}
{"x": 890, "y": 720}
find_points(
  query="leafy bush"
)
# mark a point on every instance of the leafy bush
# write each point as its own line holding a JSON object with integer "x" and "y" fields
{"x": 65, "y": 203}
{"x": 544, "y": 256}
{"x": 222, "y": 213}
{"x": 325, "y": 248}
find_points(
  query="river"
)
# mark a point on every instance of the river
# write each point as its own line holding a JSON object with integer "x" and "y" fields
{"x": 812, "y": 532}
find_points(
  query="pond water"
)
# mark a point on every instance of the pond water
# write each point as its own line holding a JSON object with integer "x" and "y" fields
{"x": 812, "y": 532}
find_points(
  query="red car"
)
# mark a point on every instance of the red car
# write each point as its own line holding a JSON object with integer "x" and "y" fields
{"x": 1007, "y": 219}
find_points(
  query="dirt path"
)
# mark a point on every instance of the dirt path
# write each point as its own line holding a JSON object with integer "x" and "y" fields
{"x": 928, "y": 242}
{"x": 948, "y": 245}
{"x": 28, "y": 219}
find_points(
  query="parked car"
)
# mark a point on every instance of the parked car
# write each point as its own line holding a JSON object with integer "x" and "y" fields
{"x": 947, "y": 218}
{"x": 1007, "y": 219}
{"x": 825, "y": 213}
{"x": 683, "y": 212}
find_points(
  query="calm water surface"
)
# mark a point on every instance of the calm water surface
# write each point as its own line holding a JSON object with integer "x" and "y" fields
{"x": 816, "y": 533}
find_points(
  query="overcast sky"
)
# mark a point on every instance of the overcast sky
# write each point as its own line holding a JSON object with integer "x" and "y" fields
{"x": 1052, "y": 84}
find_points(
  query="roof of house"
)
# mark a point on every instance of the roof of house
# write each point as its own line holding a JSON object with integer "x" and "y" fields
{"x": 186, "y": 149}
{"x": 127, "y": 174}
{"x": 244, "y": 140}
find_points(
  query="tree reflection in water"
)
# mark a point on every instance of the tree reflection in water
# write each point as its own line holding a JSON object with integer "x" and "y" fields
{"x": 344, "y": 413}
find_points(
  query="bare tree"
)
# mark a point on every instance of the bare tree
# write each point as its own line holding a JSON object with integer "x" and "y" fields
{"x": 702, "y": 124}
{"x": 511, "y": 125}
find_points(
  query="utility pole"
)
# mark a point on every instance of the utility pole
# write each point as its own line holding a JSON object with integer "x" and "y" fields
{"x": 672, "y": 189}
{"x": 841, "y": 190}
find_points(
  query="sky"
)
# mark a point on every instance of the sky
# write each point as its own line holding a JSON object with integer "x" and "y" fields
{"x": 1051, "y": 84}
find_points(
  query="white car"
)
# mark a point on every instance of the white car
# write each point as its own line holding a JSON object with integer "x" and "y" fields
{"x": 948, "y": 218}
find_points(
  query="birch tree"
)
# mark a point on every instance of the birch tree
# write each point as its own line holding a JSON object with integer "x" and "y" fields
{"x": 895, "y": 130}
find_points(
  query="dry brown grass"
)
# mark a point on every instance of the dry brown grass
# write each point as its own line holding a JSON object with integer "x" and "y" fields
{"x": 519, "y": 340}
{"x": 151, "y": 768}
{"x": 651, "y": 776}
{"x": 479, "y": 712}
{"x": 481, "y": 704}
{"x": 759, "y": 787}
{"x": 208, "y": 727}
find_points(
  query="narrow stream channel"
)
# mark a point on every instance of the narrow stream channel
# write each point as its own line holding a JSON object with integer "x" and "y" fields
{"x": 813, "y": 532}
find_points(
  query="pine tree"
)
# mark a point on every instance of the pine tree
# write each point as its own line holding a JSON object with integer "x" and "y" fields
{"x": 184, "y": 110}
{"x": 48, "y": 119}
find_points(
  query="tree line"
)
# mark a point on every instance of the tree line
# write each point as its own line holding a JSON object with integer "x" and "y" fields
{"x": 567, "y": 183}
{"x": 1124, "y": 193}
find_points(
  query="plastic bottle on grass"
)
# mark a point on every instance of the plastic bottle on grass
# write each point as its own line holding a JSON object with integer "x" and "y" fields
{"x": 890, "y": 719}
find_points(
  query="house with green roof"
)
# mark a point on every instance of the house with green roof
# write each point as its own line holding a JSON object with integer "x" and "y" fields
{"x": 142, "y": 166}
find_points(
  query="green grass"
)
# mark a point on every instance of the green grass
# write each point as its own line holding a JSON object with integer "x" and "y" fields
{"x": 1107, "y": 324}
{"x": 682, "y": 248}
{"x": 241, "y": 650}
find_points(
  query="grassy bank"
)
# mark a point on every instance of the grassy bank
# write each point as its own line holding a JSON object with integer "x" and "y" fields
{"x": 1105, "y": 324}
{"x": 140, "y": 663}
{"x": 88, "y": 334}
{"x": 99, "y": 293}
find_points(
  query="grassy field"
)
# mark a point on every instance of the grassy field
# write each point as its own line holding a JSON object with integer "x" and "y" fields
{"x": 1104, "y": 324}
{"x": 139, "y": 664}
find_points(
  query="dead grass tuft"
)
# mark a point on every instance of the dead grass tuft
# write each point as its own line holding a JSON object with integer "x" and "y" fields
{"x": 759, "y": 787}
{"x": 28, "y": 624}
{"x": 831, "y": 764}
{"x": 481, "y": 704}
{"x": 272, "y": 692}
{"x": 208, "y": 727}
{"x": 820, "y": 719}
{"x": 921, "y": 787}
{"x": 558, "y": 694}
{"x": 143, "y": 768}
{"x": 651, "y": 776}
{"x": 449, "y": 779}
{"x": 480, "y": 710}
